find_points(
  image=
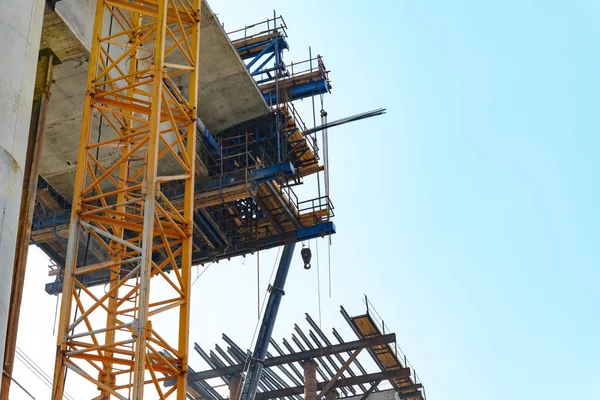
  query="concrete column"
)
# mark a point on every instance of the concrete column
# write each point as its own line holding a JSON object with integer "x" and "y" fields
{"x": 310, "y": 380}
{"x": 235, "y": 387}
{"x": 20, "y": 33}
{"x": 41, "y": 96}
{"x": 331, "y": 395}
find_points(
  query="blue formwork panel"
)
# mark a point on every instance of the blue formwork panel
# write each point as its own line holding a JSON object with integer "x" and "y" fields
{"x": 309, "y": 89}
{"x": 315, "y": 231}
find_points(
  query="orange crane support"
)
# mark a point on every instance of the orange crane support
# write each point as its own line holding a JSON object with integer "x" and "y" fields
{"x": 138, "y": 133}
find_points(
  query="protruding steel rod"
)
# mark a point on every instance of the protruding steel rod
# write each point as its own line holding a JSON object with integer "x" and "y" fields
{"x": 345, "y": 120}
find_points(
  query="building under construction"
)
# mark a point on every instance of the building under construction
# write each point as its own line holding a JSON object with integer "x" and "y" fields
{"x": 144, "y": 143}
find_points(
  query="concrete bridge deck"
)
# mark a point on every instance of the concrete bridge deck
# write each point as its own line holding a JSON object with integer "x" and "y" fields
{"x": 227, "y": 93}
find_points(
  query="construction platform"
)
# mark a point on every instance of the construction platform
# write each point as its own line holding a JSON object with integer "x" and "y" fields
{"x": 252, "y": 148}
{"x": 354, "y": 369}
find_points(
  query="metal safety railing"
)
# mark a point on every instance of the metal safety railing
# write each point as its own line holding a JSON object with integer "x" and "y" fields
{"x": 312, "y": 68}
{"x": 290, "y": 197}
{"x": 237, "y": 152}
{"x": 309, "y": 66}
{"x": 318, "y": 204}
{"x": 400, "y": 355}
{"x": 60, "y": 199}
{"x": 291, "y": 111}
{"x": 270, "y": 25}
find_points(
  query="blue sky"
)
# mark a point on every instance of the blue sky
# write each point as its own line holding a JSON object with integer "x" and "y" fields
{"x": 468, "y": 213}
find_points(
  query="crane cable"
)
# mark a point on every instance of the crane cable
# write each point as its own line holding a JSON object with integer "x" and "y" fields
{"x": 17, "y": 383}
{"x": 258, "y": 284}
{"x": 318, "y": 281}
{"x": 36, "y": 370}
{"x": 265, "y": 298}
{"x": 326, "y": 177}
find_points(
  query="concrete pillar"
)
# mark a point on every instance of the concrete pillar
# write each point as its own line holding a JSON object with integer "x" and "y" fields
{"x": 41, "y": 96}
{"x": 20, "y": 33}
{"x": 235, "y": 387}
{"x": 331, "y": 395}
{"x": 310, "y": 380}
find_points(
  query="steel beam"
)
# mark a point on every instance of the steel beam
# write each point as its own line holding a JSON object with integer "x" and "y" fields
{"x": 327, "y": 342}
{"x": 339, "y": 373}
{"x": 397, "y": 373}
{"x": 297, "y": 357}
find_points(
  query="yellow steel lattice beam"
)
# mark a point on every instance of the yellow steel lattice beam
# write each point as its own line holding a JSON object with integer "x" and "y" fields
{"x": 138, "y": 133}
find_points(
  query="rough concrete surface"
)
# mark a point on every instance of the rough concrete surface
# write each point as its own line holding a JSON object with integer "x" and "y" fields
{"x": 227, "y": 93}
{"x": 20, "y": 30}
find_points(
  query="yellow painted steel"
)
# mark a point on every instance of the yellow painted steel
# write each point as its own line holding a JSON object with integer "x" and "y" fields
{"x": 138, "y": 135}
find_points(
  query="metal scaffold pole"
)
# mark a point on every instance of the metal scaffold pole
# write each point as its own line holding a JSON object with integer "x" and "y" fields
{"x": 147, "y": 141}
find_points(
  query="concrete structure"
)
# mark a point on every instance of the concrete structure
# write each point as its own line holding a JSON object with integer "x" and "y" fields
{"x": 389, "y": 394}
{"x": 227, "y": 93}
{"x": 331, "y": 395}
{"x": 230, "y": 104}
{"x": 235, "y": 387}
{"x": 310, "y": 380}
{"x": 20, "y": 30}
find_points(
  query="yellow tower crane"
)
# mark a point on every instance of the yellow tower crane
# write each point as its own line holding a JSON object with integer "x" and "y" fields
{"x": 137, "y": 136}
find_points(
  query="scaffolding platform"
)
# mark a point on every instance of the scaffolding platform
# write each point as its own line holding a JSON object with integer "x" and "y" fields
{"x": 258, "y": 44}
{"x": 387, "y": 356}
{"x": 301, "y": 80}
{"x": 244, "y": 201}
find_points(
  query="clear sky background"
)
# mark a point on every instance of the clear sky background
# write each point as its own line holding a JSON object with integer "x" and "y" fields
{"x": 468, "y": 213}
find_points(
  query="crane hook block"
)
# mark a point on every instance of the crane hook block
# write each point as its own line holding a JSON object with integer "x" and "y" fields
{"x": 306, "y": 256}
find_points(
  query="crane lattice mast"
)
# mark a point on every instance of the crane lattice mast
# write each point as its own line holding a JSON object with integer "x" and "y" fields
{"x": 137, "y": 136}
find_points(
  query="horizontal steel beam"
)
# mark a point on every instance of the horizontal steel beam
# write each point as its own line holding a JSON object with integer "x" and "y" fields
{"x": 396, "y": 373}
{"x": 212, "y": 255}
{"x": 296, "y": 357}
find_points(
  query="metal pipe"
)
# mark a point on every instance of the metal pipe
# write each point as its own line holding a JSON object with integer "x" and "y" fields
{"x": 266, "y": 329}
{"x": 325, "y": 140}
{"x": 345, "y": 120}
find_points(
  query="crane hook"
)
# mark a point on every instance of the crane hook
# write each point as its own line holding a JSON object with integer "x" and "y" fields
{"x": 306, "y": 256}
